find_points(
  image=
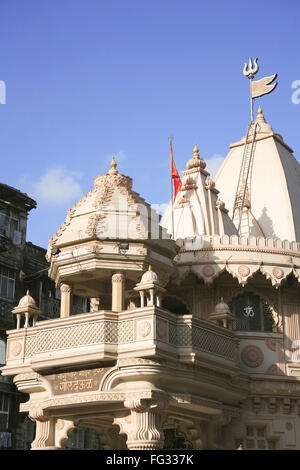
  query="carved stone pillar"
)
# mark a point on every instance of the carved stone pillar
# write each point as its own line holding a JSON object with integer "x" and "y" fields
{"x": 51, "y": 433}
{"x": 118, "y": 287}
{"x": 151, "y": 297}
{"x": 142, "y": 294}
{"x": 143, "y": 426}
{"x": 66, "y": 300}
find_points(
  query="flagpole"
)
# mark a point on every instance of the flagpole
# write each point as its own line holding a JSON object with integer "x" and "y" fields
{"x": 251, "y": 101}
{"x": 249, "y": 71}
{"x": 171, "y": 138}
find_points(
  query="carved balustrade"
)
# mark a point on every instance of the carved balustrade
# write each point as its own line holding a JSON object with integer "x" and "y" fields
{"x": 143, "y": 332}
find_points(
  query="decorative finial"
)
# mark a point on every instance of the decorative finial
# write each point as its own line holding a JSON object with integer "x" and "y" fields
{"x": 27, "y": 292}
{"x": 222, "y": 300}
{"x": 196, "y": 151}
{"x": 260, "y": 117}
{"x": 113, "y": 163}
{"x": 150, "y": 268}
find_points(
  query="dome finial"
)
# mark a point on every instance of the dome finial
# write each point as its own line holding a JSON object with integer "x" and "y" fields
{"x": 196, "y": 150}
{"x": 27, "y": 292}
{"x": 260, "y": 116}
{"x": 113, "y": 163}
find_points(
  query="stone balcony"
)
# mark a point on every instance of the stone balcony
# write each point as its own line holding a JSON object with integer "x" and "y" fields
{"x": 109, "y": 370}
{"x": 105, "y": 337}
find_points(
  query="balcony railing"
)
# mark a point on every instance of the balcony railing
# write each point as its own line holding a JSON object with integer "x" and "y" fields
{"x": 104, "y": 335}
{"x": 50, "y": 308}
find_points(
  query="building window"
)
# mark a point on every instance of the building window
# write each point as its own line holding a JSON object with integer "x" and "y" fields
{"x": 4, "y": 410}
{"x": 251, "y": 313}
{"x": 10, "y": 227}
{"x": 2, "y": 352}
{"x": 7, "y": 283}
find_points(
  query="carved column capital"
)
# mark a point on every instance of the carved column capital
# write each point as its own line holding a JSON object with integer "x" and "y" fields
{"x": 65, "y": 288}
{"x": 118, "y": 292}
{"x": 66, "y": 300}
{"x": 38, "y": 414}
{"x": 118, "y": 277}
{"x": 143, "y": 426}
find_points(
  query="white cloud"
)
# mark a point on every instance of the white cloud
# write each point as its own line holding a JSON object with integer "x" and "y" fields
{"x": 58, "y": 186}
{"x": 213, "y": 164}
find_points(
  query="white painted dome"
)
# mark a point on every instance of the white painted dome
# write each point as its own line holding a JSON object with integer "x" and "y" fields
{"x": 149, "y": 277}
{"x": 27, "y": 301}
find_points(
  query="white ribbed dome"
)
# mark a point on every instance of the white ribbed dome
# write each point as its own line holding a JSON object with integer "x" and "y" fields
{"x": 27, "y": 301}
{"x": 149, "y": 276}
{"x": 222, "y": 307}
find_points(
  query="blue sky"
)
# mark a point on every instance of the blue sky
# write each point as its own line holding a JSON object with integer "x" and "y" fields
{"x": 86, "y": 79}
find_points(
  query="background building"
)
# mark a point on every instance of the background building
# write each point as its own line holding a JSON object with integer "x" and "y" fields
{"x": 23, "y": 267}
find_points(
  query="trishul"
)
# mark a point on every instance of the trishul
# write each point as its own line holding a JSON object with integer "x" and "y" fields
{"x": 250, "y": 70}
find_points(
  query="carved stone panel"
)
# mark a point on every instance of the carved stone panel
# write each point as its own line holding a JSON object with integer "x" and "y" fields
{"x": 252, "y": 356}
{"x": 77, "y": 381}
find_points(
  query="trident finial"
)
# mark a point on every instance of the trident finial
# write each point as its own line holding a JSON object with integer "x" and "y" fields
{"x": 251, "y": 69}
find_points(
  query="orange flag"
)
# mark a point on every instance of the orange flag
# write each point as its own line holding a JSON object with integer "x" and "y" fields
{"x": 174, "y": 174}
